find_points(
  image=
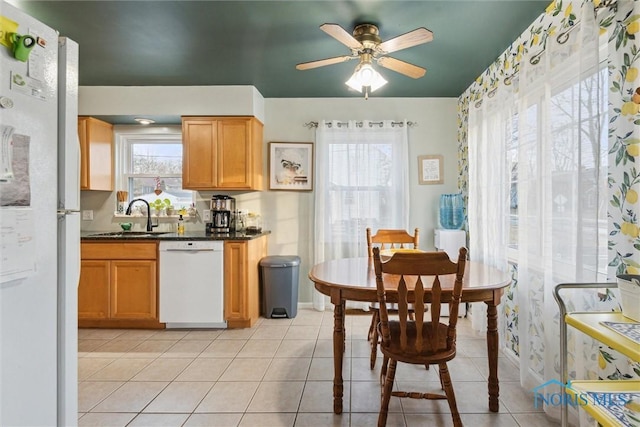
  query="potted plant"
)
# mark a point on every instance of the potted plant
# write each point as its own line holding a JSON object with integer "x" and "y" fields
{"x": 160, "y": 205}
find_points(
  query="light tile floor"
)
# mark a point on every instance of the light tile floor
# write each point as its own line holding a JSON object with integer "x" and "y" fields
{"x": 278, "y": 373}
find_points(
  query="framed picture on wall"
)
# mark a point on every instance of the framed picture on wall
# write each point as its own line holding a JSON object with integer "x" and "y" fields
{"x": 430, "y": 169}
{"x": 291, "y": 166}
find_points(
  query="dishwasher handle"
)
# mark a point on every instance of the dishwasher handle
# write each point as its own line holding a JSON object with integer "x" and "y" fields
{"x": 191, "y": 250}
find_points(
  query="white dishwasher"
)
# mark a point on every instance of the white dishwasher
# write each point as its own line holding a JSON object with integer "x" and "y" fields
{"x": 192, "y": 284}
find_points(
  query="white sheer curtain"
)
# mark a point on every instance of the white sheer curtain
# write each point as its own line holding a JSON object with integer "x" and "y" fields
{"x": 538, "y": 190}
{"x": 490, "y": 165}
{"x": 562, "y": 188}
{"x": 362, "y": 180}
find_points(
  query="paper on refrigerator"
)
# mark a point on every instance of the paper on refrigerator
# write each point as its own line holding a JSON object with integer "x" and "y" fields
{"x": 16, "y": 244}
{"x": 16, "y": 216}
{"x": 15, "y": 191}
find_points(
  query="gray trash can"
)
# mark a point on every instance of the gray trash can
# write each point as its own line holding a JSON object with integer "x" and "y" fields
{"x": 280, "y": 285}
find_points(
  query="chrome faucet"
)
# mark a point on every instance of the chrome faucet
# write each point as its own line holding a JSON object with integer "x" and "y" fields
{"x": 149, "y": 224}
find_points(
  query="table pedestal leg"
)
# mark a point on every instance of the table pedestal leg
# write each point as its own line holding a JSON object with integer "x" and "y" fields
{"x": 492, "y": 350}
{"x": 338, "y": 351}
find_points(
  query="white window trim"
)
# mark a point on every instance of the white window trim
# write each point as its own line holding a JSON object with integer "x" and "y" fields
{"x": 561, "y": 84}
{"x": 125, "y": 135}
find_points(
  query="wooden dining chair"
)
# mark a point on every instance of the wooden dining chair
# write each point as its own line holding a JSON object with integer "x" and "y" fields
{"x": 392, "y": 239}
{"x": 419, "y": 341}
{"x": 385, "y": 239}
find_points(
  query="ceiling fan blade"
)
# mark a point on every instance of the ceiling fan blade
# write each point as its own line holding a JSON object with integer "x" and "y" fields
{"x": 323, "y": 62}
{"x": 401, "y": 67}
{"x": 410, "y": 39}
{"x": 340, "y": 34}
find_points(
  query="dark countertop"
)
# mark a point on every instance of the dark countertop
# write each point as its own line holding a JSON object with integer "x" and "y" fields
{"x": 193, "y": 235}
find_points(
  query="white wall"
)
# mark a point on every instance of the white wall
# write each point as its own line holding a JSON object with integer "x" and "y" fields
{"x": 289, "y": 215}
{"x": 171, "y": 100}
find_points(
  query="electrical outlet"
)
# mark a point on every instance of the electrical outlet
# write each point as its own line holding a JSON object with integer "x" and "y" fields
{"x": 206, "y": 215}
{"x": 87, "y": 215}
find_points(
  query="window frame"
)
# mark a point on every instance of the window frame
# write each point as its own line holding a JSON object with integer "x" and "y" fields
{"x": 336, "y": 190}
{"x": 126, "y": 136}
{"x": 539, "y": 97}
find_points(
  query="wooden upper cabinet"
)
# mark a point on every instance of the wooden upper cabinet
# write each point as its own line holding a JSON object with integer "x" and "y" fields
{"x": 96, "y": 154}
{"x": 199, "y": 143}
{"x": 240, "y": 154}
{"x": 222, "y": 153}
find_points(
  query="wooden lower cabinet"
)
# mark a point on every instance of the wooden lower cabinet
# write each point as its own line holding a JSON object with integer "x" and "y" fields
{"x": 133, "y": 290}
{"x": 93, "y": 291}
{"x": 118, "y": 285}
{"x": 241, "y": 281}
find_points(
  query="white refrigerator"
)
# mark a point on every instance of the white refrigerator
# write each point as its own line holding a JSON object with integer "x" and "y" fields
{"x": 39, "y": 223}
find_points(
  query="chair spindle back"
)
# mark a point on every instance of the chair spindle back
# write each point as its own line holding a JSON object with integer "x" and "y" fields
{"x": 411, "y": 271}
{"x": 391, "y": 239}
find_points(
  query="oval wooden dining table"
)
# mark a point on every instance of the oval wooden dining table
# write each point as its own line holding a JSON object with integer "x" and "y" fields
{"x": 353, "y": 279}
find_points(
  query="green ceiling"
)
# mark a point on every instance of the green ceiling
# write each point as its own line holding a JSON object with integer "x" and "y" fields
{"x": 181, "y": 43}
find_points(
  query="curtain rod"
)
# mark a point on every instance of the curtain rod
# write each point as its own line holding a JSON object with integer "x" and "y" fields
{"x": 359, "y": 124}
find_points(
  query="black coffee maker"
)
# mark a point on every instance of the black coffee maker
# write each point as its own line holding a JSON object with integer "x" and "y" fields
{"x": 222, "y": 208}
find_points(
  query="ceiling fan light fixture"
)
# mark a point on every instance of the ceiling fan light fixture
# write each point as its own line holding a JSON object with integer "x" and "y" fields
{"x": 365, "y": 76}
{"x": 366, "y": 45}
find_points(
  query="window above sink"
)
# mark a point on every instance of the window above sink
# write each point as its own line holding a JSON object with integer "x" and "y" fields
{"x": 149, "y": 158}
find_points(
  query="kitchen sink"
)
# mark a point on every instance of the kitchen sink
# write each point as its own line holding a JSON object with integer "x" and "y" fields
{"x": 129, "y": 234}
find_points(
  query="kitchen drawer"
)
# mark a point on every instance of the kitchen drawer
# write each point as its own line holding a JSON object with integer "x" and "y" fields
{"x": 119, "y": 250}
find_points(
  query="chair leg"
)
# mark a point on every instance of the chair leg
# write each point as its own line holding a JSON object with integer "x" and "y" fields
{"x": 386, "y": 394}
{"x": 445, "y": 380}
{"x": 374, "y": 338}
{"x": 375, "y": 314}
{"x": 383, "y": 370}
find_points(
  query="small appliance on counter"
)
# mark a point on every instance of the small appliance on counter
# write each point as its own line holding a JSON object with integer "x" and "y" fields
{"x": 240, "y": 220}
{"x": 253, "y": 223}
{"x": 222, "y": 208}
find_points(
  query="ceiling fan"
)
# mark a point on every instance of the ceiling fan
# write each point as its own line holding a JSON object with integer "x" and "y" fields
{"x": 367, "y": 46}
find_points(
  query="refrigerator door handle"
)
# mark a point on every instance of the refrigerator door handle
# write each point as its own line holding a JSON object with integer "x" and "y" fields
{"x": 63, "y": 212}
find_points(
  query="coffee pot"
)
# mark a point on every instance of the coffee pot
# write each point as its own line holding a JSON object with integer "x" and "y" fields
{"x": 222, "y": 209}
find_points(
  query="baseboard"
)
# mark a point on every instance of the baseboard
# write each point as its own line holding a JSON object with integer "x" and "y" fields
{"x": 305, "y": 305}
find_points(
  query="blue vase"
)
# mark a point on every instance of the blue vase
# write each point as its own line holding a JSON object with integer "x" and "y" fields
{"x": 451, "y": 211}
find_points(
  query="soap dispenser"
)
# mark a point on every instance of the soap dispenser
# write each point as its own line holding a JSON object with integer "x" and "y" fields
{"x": 180, "y": 225}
